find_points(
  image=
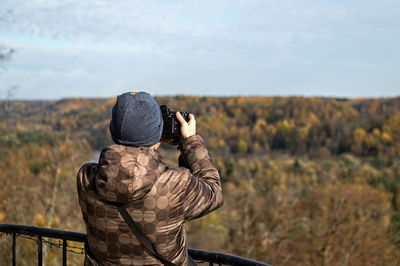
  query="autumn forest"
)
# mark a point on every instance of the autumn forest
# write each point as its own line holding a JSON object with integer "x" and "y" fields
{"x": 306, "y": 181}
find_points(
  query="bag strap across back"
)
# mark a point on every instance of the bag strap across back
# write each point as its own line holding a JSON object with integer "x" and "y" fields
{"x": 141, "y": 236}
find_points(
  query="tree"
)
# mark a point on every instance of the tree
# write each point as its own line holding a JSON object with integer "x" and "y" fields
{"x": 5, "y": 54}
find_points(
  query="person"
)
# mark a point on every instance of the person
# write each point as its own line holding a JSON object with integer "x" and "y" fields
{"x": 159, "y": 199}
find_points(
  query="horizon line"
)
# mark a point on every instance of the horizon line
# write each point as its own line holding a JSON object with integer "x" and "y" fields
{"x": 209, "y": 96}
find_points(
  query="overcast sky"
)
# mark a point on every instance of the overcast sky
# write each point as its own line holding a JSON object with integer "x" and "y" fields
{"x": 88, "y": 48}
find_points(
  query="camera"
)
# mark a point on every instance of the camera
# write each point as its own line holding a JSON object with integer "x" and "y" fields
{"x": 172, "y": 126}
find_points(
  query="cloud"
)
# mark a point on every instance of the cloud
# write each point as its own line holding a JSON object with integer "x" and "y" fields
{"x": 171, "y": 27}
{"x": 162, "y": 23}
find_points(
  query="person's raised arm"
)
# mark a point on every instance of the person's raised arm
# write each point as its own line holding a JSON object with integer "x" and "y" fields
{"x": 203, "y": 192}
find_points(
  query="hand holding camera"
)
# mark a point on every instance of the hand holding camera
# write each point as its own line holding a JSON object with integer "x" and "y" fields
{"x": 177, "y": 125}
{"x": 187, "y": 128}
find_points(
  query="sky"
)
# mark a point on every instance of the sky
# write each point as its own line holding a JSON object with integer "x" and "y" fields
{"x": 102, "y": 48}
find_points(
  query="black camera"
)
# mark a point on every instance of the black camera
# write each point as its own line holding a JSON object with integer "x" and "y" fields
{"x": 172, "y": 126}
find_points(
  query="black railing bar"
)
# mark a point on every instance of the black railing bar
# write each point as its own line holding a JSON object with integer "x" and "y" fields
{"x": 40, "y": 251}
{"x": 223, "y": 258}
{"x": 70, "y": 248}
{"x": 14, "y": 246}
{"x": 203, "y": 255}
{"x": 46, "y": 232}
{"x": 64, "y": 252}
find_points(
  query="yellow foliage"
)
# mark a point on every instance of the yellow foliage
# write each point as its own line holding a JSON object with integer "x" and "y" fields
{"x": 285, "y": 125}
{"x": 360, "y": 135}
{"x": 376, "y": 132}
{"x": 55, "y": 222}
{"x": 386, "y": 220}
{"x": 256, "y": 146}
{"x": 39, "y": 220}
{"x": 245, "y": 185}
{"x": 243, "y": 146}
{"x": 358, "y": 180}
{"x": 260, "y": 124}
{"x": 1, "y": 217}
{"x": 386, "y": 137}
{"x": 210, "y": 219}
{"x": 229, "y": 187}
{"x": 221, "y": 143}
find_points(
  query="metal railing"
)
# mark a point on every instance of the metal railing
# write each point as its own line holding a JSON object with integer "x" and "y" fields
{"x": 40, "y": 233}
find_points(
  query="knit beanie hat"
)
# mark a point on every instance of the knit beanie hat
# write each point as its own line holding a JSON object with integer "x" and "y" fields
{"x": 136, "y": 120}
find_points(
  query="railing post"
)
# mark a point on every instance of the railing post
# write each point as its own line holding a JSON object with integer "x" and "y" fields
{"x": 14, "y": 253}
{"x": 40, "y": 251}
{"x": 64, "y": 252}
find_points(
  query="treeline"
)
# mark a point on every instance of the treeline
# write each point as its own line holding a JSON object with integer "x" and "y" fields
{"x": 317, "y": 127}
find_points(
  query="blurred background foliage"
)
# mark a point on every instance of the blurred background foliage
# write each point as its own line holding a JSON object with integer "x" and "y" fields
{"x": 306, "y": 181}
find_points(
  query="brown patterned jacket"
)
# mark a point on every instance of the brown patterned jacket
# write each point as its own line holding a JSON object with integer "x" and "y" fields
{"x": 158, "y": 198}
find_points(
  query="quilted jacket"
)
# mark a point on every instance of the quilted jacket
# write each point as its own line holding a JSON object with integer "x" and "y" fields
{"x": 159, "y": 199}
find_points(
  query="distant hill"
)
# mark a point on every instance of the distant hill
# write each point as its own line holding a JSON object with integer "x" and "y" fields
{"x": 239, "y": 125}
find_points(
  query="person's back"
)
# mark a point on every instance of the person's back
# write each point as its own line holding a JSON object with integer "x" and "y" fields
{"x": 158, "y": 199}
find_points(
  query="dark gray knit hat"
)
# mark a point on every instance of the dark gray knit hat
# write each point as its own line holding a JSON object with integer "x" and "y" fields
{"x": 136, "y": 120}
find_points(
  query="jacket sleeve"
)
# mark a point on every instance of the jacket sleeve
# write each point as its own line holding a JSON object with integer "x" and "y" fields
{"x": 203, "y": 191}
{"x": 84, "y": 181}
